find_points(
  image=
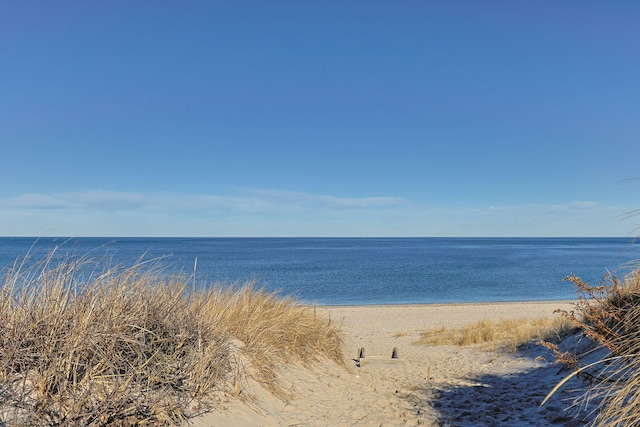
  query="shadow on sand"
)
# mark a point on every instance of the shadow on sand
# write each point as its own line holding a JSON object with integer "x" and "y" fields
{"x": 507, "y": 400}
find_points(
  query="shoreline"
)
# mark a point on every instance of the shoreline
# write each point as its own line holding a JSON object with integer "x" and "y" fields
{"x": 435, "y": 304}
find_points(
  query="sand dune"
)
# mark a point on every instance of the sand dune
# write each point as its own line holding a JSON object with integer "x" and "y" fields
{"x": 427, "y": 385}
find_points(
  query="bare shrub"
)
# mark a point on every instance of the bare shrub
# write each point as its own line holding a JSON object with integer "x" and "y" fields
{"x": 609, "y": 314}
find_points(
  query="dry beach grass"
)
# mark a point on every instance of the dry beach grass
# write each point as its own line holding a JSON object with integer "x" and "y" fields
{"x": 510, "y": 334}
{"x": 83, "y": 345}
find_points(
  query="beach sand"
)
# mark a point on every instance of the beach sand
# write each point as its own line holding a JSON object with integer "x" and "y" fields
{"x": 427, "y": 385}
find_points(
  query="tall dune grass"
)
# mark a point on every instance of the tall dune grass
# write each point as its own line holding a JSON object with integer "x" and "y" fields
{"x": 609, "y": 314}
{"x": 85, "y": 345}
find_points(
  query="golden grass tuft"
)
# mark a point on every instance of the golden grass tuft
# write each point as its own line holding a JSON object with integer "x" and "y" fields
{"x": 273, "y": 330}
{"x": 506, "y": 333}
{"x": 86, "y": 345}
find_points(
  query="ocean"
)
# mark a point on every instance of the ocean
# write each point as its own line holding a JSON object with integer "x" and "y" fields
{"x": 363, "y": 271}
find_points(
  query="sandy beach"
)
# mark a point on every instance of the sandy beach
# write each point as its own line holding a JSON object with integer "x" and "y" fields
{"x": 426, "y": 385}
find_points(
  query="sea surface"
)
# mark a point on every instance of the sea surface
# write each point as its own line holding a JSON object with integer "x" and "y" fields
{"x": 345, "y": 271}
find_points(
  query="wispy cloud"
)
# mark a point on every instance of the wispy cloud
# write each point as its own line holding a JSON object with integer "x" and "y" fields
{"x": 260, "y": 212}
{"x": 314, "y": 201}
{"x": 32, "y": 201}
{"x": 98, "y": 199}
{"x": 245, "y": 201}
{"x": 537, "y": 208}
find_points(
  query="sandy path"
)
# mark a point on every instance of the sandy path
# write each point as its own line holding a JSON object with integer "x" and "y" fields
{"x": 429, "y": 385}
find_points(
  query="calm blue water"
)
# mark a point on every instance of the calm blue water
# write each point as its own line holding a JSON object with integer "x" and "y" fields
{"x": 341, "y": 271}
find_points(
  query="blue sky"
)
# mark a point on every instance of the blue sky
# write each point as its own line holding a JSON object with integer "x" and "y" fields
{"x": 319, "y": 118}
